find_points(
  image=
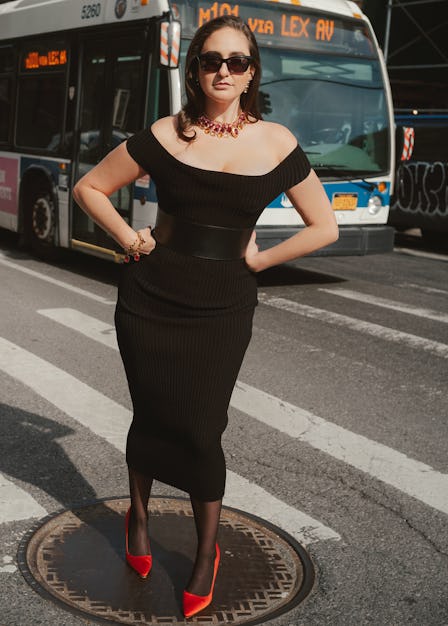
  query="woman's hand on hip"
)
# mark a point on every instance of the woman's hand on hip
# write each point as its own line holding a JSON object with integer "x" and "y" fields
{"x": 141, "y": 242}
{"x": 150, "y": 242}
{"x": 252, "y": 254}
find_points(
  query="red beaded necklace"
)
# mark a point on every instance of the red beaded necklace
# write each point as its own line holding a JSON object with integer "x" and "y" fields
{"x": 222, "y": 129}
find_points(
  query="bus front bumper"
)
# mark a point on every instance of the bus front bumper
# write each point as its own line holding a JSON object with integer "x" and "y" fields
{"x": 353, "y": 240}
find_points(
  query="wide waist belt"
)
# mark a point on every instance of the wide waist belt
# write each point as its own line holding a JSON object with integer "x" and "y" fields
{"x": 202, "y": 240}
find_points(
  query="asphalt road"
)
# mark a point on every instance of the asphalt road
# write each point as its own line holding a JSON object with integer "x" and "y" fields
{"x": 339, "y": 417}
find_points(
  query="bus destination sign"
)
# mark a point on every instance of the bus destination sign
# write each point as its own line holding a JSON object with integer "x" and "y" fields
{"x": 34, "y": 59}
{"x": 275, "y": 23}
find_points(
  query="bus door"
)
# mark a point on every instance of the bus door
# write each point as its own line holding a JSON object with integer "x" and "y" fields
{"x": 111, "y": 109}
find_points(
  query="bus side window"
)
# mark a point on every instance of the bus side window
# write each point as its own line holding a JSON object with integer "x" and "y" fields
{"x": 5, "y": 107}
{"x": 40, "y": 111}
{"x": 127, "y": 90}
{"x": 6, "y": 67}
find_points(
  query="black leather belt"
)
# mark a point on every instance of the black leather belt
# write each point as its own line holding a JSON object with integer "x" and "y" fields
{"x": 202, "y": 240}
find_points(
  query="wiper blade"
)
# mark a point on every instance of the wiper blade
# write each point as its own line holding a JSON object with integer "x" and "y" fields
{"x": 332, "y": 166}
{"x": 284, "y": 80}
{"x": 338, "y": 168}
{"x": 318, "y": 79}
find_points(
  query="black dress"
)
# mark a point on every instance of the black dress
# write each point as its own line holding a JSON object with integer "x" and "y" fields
{"x": 184, "y": 322}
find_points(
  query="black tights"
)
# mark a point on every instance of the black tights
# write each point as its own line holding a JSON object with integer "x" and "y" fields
{"x": 206, "y": 518}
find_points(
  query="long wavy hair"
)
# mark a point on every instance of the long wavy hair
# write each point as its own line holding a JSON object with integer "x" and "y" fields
{"x": 195, "y": 98}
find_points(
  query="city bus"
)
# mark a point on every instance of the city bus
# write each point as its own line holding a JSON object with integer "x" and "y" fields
{"x": 79, "y": 77}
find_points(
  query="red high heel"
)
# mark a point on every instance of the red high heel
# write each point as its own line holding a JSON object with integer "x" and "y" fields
{"x": 193, "y": 603}
{"x": 141, "y": 564}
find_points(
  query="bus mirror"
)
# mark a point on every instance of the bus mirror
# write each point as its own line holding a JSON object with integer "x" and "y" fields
{"x": 170, "y": 43}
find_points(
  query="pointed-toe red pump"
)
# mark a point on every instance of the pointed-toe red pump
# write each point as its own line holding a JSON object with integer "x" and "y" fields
{"x": 141, "y": 564}
{"x": 193, "y": 603}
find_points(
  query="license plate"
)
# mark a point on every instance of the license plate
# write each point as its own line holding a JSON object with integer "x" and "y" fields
{"x": 344, "y": 201}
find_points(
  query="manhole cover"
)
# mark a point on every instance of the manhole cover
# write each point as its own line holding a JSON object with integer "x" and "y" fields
{"x": 77, "y": 558}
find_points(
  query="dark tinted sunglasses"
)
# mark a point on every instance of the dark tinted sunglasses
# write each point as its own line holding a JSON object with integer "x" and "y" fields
{"x": 212, "y": 63}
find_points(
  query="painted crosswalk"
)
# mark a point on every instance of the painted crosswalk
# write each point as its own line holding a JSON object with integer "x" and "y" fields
{"x": 54, "y": 281}
{"x": 361, "y": 326}
{"x": 110, "y": 421}
{"x": 424, "y": 288}
{"x": 357, "y": 296}
{"x": 16, "y": 503}
{"x": 410, "y": 476}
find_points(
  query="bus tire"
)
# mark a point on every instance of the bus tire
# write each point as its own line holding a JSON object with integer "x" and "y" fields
{"x": 40, "y": 222}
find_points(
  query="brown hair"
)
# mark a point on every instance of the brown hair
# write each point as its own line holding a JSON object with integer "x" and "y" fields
{"x": 194, "y": 106}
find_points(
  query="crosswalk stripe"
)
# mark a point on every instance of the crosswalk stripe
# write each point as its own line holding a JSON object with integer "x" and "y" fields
{"x": 87, "y": 406}
{"x": 16, "y": 503}
{"x": 394, "y": 468}
{"x": 54, "y": 281}
{"x": 86, "y": 324}
{"x": 422, "y": 253}
{"x": 376, "y": 330}
{"x": 423, "y": 288}
{"x": 375, "y": 459}
{"x": 110, "y": 421}
{"x": 437, "y": 316}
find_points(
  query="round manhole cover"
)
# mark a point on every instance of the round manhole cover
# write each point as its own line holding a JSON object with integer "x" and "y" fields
{"x": 77, "y": 558}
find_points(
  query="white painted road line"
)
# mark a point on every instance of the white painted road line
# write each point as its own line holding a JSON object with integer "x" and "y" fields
{"x": 421, "y": 253}
{"x": 110, "y": 420}
{"x": 54, "y": 281}
{"x": 17, "y": 504}
{"x": 375, "y": 459}
{"x": 248, "y": 496}
{"x": 8, "y": 566}
{"x": 386, "y": 464}
{"x": 91, "y": 326}
{"x": 87, "y": 406}
{"x": 369, "y": 328}
{"x": 358, "y": 296}
{"x": 423, "y": 288}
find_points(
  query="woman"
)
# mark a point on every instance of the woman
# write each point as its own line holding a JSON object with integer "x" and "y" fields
{"x": 185, "y": 309}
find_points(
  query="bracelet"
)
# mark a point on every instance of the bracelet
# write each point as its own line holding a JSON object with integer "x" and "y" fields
{"x": 132, "y": 250}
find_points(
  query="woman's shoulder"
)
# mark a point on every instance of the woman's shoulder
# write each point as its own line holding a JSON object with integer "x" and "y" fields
{"x": 280, "y": 138}
{"x": 140, "y": 145}
{"x": 288, "y": 152}
{"x": 165, "y": 128}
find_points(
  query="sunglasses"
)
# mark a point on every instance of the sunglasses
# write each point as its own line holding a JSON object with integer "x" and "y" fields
{"x": 235, "y": 65}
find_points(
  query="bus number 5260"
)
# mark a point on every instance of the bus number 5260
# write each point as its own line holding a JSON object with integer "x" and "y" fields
{"x": 90, "y": 10}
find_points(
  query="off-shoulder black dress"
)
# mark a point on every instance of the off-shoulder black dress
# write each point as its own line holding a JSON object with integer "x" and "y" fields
{"x": 184, "y": 322}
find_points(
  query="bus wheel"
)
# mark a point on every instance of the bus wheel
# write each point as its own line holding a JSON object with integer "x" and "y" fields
{"x": 40, "y": 223}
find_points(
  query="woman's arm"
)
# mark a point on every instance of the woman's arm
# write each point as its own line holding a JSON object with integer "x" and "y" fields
{"x": 92, "y": 192}
{"x": 311, "y": 202}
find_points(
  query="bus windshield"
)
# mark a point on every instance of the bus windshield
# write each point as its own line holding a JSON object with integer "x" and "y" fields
{"x": 321, "y": 78}
{"x": 335, "y": 106}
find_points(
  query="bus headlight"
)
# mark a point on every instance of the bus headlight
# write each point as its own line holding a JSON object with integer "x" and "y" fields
{"x": 374, "y": 205}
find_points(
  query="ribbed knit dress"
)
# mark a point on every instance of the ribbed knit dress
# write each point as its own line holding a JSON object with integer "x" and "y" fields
{"x": 184, "y": 322}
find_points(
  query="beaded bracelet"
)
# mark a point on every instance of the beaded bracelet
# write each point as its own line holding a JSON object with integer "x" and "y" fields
{"x": 132, "y": 251}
